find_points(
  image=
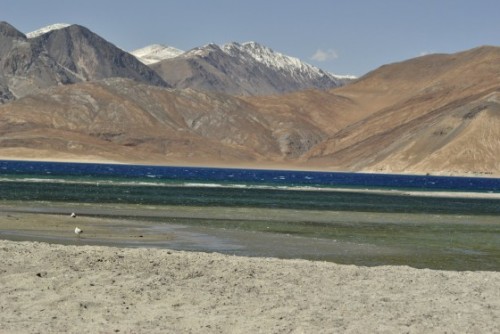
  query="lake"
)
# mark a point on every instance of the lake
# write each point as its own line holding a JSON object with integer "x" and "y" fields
{"x": 352, "y": 218}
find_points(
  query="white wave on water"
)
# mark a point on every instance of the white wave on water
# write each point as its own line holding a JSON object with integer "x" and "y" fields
{"x": 132, "y": 183}
{"x": 161, "y": 184}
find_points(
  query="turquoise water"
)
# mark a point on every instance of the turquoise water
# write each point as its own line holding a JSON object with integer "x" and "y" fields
{"x": 136, "y": 193}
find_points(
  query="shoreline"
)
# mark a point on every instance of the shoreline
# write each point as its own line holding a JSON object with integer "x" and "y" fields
{"x": 74, "y": 289}
{"x": 94, "y": 288}
{"x": 439, "y": 241}
{"x": 256, "y": 166}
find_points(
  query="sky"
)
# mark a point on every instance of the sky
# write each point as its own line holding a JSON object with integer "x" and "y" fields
{"x": 348, "y": 37}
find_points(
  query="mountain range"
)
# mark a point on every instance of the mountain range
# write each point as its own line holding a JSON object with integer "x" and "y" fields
{"x": 65, "y": 54}
{"x": 242, "y": 69}
{"x": 438, "y": 113}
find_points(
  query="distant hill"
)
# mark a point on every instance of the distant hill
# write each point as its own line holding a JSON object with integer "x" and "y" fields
{"x": 122, "y": 120}
{"x": 437, "y": 113}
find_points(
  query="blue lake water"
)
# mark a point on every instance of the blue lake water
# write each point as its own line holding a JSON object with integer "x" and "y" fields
{"x": 247, "y": 177}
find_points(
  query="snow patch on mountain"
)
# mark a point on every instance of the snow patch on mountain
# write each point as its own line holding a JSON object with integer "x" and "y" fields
{"x": 47, "y": 29}
{"x": 345, "y": 76}
{"x": 155, "y": 53}
{"x": 264, "y": 55}
{"x": 252, "y": 52}
{"x": 203, "y": 51}
{"x": 278, "y": 61}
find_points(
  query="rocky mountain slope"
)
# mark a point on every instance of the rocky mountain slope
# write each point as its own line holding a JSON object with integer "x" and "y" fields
{"x": 121, "y": 120}
{"x": 65, "y": 54}
{"x": 61, "y": 55}
{"x": 433, "y": 114}
{"x": 243, "y": 69}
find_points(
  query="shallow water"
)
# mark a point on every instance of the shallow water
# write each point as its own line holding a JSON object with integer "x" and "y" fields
{"x": 450, "y": 242}
{"x": 418, "y": 240}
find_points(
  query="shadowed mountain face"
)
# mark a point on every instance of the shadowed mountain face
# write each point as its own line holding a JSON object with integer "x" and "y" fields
{"x": 63, "y": 56}
{"x": 90, "y": 57}
{"x": 23, "y": 68}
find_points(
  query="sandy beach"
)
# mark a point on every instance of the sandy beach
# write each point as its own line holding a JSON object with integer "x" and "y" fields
{"x": 94, "y": 289}
{"x": 94, "y": 285}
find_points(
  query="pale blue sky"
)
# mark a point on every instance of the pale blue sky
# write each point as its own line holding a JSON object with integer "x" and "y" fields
{"x": 343, "y": 37}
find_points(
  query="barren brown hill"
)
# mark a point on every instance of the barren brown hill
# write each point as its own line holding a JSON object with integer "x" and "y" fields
{"x": 437, "y": 113}
{"x": 122, "y": 120}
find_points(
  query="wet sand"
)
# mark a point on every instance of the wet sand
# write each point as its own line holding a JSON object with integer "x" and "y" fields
{"x": 421, "y": 241}
{"x": 168, "y": 227}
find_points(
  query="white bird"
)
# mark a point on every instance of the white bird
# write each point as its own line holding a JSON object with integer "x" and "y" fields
{"x": 73, "y": 215}
{"x": 78, "y": 231}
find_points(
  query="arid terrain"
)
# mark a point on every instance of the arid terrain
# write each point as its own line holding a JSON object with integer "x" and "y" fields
{"x": 437, "y": 114}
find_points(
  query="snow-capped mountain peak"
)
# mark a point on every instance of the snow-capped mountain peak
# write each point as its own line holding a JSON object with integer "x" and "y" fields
{"x": 272, "y": 59}
{"x": 265, "y": 55}
{"x": 203, "y": 51}
{"x": 155, "y": 53}
{"x": 47, "y": 29}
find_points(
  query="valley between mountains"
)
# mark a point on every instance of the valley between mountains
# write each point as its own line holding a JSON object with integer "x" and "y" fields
{"x": 67, "y": 94}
